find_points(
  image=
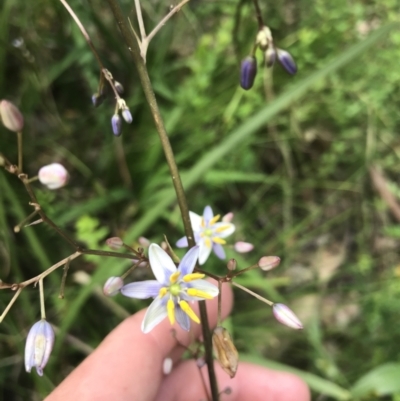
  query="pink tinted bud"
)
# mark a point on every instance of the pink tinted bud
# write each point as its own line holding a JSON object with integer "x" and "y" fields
{"x": 228, "y": 217}
{"x": 53, "y": 175}
{"x": 144, "y": 242}
{"x": 269, "y": 262}
{"x": 231, "y": 264}
{"x": 39, "y": 344}
{"x": 112, "y": 286}
{"x": 286, "y": 316}
{"x": 114, "y": 243}
{"x": 243, "y": 247}
{"x": 11, "y": 117}
{"x": 167, "y": 366}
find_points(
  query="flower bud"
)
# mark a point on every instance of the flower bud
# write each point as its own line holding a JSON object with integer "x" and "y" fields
{"x": 53, "y": 175}
{"x": 116, "y": 123}
{"x": 97, "y": 99}
{"x": 114, "y": 243}
{"x": 287, "y": 61}
{"x": 144, "y": 242}
{"x": 228, "y": 217}
{"x": 126, "y": 114}
{"x": 264, "y": 38}
{"x": 225, "y": 351}
{"x": 248, "y": 72}
{"x": 11, "y": 117}
{"x": 270, "y": 56}
{"x": 112, "y": 286}
{"x": 243, "y": 247}
{"x": 231, "y": 265}
{"x": 119, "y": 87}
{"x": 286, "y": 316}
{"x": 268, "y": 262}
{"x": 39, "y": 344}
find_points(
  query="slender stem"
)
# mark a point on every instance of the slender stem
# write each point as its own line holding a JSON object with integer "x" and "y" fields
{"x": 20, "y": 151}
{"x": 18, "y": 227}
{"x": 63, "y": 280}
{"x": 140, "y": 19}
{"x": 41, "y": 292}
{"x": 270, "y": 303}
{"x": 258, "y": 14}
{"x": 11, "y": 303}
{"x": 158, "y": 120}
{"x": 219, "y": 303}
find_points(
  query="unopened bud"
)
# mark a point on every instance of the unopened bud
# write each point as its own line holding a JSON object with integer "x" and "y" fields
{"x": 53, "y": 175}
{"x": 286, "y": 61}
{"x": 114, "y": 243}
{"x": 264, "y": 38}
{"x": 112, "y": 286}
{"x": 269, "y": 262}
{"x": 231, "y": 265}
{"x": 167, "y": 366}
{"x": 228, "y": 217}
{"x": 286, "y": 316}
{"x": 248, "y": 72}
{"x": 144, "y": 242}
{"x": 243, "y": 247}
{"x": 97, "y": 99}
{"x": 116, "y": 123}
{"x": 39, "y": 344}
{"x": 225, "y": 351}
{"x": 126, "y": 114}
{"x": 11, "y": 116}
{"x": 270, "y": 56}
{"x": 119, "y": 87}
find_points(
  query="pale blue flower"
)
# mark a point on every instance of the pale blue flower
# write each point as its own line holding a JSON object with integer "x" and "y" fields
{"x": 172, "y": 290}
{"x": 208, "y": 234}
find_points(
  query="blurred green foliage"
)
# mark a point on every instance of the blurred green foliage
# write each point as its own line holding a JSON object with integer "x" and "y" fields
{"x": 291, "y": 158}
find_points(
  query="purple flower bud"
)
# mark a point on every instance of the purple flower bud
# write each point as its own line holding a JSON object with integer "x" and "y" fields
{"x": 243, "y": 247}
{"x": 270, "y": 56}
{"x": 11, "y": 117}
{"x": 248, "y": 72}
{"x": 116, "y": 123}
{"x": 126, "y": 114}
{"x": 268, "y": 262}
{"x": 287, "y": 61}
{"x": 119, "y": 87}
{"x": 286, "y": 316}
{"x": 97, "y": 99}
{"x": 112, "y": 286}
{"x": 39, "y": 344}
{"x": 114, "y": 243}
{"x": 53, "y": 175}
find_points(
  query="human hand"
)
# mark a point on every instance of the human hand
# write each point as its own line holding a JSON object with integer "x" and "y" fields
{"x": 127, "y": 365}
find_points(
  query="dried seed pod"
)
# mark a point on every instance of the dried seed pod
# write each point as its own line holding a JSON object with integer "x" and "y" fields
{"x": 225, "y": 351}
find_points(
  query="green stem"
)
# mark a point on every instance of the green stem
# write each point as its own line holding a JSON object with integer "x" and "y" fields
{"x": 133, "y": 46}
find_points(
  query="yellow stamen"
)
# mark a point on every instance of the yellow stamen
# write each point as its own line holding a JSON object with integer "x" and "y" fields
{"x": 218, "y": 240}
{"x": 222, "y": 228}
{"x": 171, "y": 311}
{"x": 207, "y": 242}
{"x": 214, "y": 220}
{"x": 193, "y": 292}
{"x": 192, "y": 276}
{"x": 202, "y": 222}
{"x": 174, "y": 277}
{"x": 189, "y": 311}
{"x": 162, "y": 292}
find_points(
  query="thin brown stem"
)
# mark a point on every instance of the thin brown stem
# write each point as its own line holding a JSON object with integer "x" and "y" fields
{"x": 258, "y": 14}
{"x": 255, "y": 295}
{"x": 20, "y": 151}
{"x": 10, "y": 304}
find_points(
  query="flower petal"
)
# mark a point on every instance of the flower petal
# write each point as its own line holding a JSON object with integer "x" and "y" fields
{"x": 182, "y": 243}
{"x": 188, "y": 262}
{"x": 204, "y": 252}
{"x": 205, "y": 286}
{"x": 208, "y": 214}
{"x": 141, "y": 289}
{"x": 161, "y": 263}
{"x": 182, "y": 318}
{"x": 219, "y": 251}
{"x": 229, "y": 229}
{"x": 155, "y": 314}
{"x": 195, "y": 220}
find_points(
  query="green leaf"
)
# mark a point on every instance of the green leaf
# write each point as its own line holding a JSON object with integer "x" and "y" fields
{"x": 383, "y": 380}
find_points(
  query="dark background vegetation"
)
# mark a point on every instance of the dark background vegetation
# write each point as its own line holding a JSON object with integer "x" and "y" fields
{"x": 302, "y": 185}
